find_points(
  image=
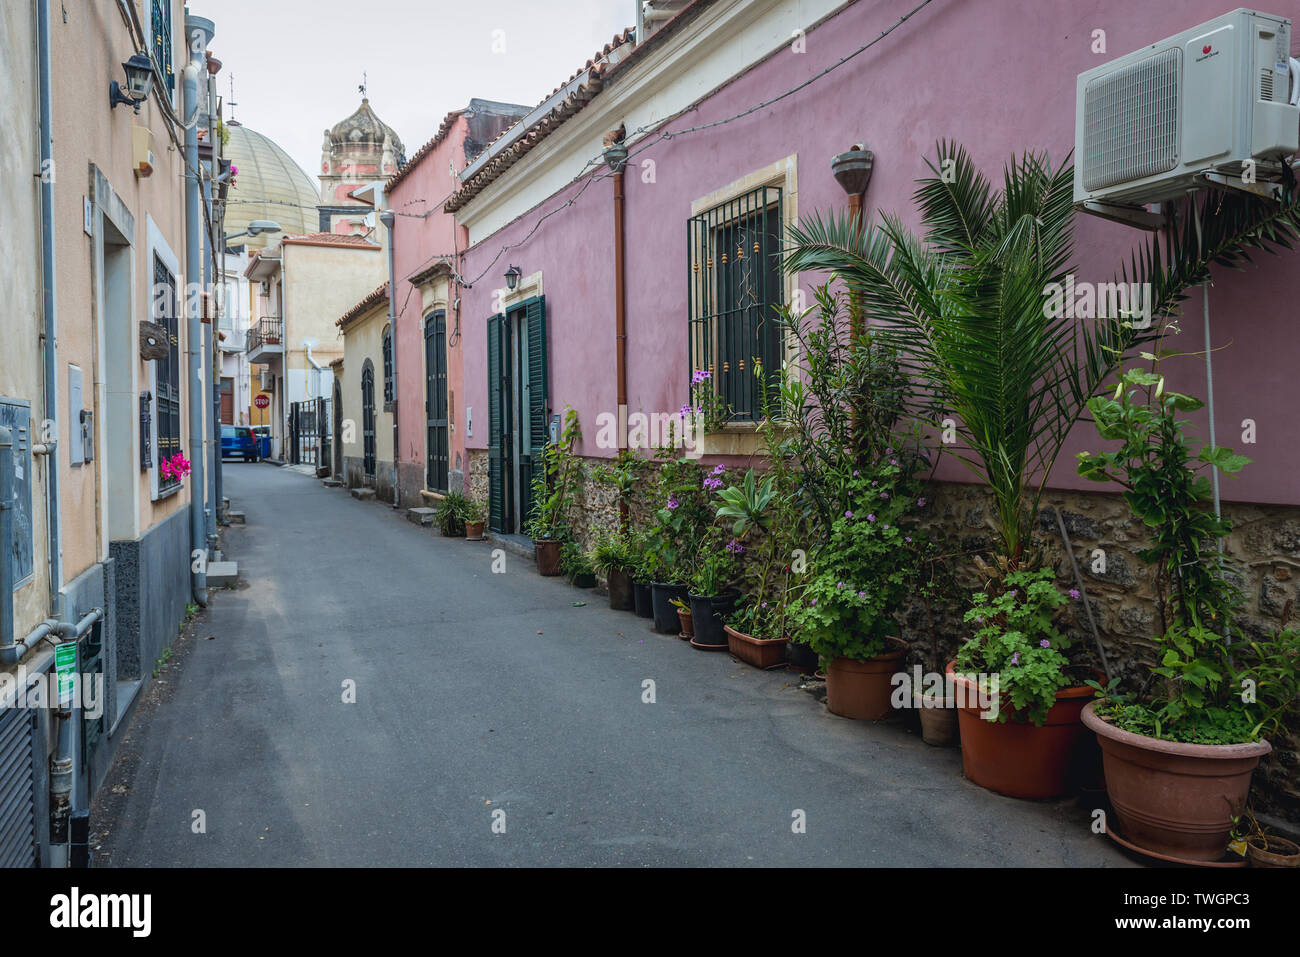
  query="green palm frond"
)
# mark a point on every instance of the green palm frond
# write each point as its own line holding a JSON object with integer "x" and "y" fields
{"x": 965, "y": 304}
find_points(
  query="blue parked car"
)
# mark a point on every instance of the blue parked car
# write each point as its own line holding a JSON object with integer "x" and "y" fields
{"x": 238, "y": 441}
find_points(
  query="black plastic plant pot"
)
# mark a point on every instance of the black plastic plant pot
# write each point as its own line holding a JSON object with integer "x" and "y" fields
{"x": 801, "y": 656}
{"x": 710, "y": 613}
{"x": 665, "y": 612}
{"x": 620, "y": 590}
{"x": 641, "y": 600}
{"x": 583, "y": 580}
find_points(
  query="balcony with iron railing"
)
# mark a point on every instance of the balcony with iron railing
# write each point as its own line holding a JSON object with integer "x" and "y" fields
{"x": 264, "y": 339}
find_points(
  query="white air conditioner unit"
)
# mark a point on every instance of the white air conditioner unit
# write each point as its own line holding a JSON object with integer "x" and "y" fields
{"x": 1211, "y": 99}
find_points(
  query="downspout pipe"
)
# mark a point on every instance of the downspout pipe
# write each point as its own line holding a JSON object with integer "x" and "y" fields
{"x": 49, "y": 306}
{"x": 620, "y": 323}
{"x": 6, "y": 536}
{"x": 389, "y": 219}
{"x": 198, "y": 34}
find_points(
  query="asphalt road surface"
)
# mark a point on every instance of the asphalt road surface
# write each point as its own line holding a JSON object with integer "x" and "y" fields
{"x": 495, "y": 723}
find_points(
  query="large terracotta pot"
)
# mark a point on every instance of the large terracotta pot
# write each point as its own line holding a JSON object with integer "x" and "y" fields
{"x": 474, "y": 531}
{"x": 1171, "y": 798}
{"x": 862, "y": 689}
{"x": 1017, "y": 758}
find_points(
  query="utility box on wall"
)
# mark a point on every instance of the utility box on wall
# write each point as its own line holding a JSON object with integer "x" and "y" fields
{"x": 16, "y": 415}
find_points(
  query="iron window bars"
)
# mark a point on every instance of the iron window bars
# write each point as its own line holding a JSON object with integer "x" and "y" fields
{"x": 168, "y": 372}
{"x": 735, "y": 288}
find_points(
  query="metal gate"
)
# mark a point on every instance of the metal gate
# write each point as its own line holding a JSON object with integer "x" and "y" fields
{"x": 18, "y": 784}
{"x": 310, "y": 432}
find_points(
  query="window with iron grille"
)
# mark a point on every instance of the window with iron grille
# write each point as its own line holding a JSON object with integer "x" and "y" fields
{"x": 388, "y": 367}
{"x": 735, "y": 290}
{"x": 161, "y": 19}
{"x": 167, "y": 432}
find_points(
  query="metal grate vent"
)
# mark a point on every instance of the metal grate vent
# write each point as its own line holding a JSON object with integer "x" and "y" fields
{"x": 1131, "y": 121}
{"x": 1266, "y": 84}
{"x": 17, "y": 788}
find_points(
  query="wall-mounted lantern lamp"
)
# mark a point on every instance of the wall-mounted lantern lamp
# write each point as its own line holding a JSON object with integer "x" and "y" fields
{"x": 139, "y": 81}
{"x": 512, "y": 277}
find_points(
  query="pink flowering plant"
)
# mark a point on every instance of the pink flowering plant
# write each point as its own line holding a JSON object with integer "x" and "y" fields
{"x": 869, "y": 563}
{"x": 1016, "y": 639}
{"x": 175, "y": 468}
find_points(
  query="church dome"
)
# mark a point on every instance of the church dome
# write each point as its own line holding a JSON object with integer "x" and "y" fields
{"x": 364, "y": 131}
{"x": 269, "y": 185}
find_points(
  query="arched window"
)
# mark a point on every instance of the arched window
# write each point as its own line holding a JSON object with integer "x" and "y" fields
{"x": 388, "y": 366}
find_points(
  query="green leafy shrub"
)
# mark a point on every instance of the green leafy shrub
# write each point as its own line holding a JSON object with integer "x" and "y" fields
{"x": 1210, "y": 691}
{"x": 1015, "y": 639}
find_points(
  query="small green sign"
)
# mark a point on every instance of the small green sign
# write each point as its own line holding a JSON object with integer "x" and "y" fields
{"x": 65, "y": 664}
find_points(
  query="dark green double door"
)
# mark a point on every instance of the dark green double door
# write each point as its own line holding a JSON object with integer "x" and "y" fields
{"x": 518, "y": 411}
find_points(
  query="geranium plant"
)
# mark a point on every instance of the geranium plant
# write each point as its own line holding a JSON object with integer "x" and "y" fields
{"x": 175, "y": 468}
{"x": 1016, "y": 640}
{"x": 864, "y": 571}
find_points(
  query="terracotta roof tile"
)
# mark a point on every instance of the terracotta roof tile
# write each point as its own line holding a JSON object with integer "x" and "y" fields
{"x": 365, "y": 305}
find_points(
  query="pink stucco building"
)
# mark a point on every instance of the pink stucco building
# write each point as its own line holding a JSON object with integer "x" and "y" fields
{"x": 540, "y": 199}
{"x": 427, "y": 303}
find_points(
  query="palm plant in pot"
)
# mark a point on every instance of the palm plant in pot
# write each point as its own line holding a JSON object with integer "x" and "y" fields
{"x": 552, "y": 488}
{"x": 858, "y": 579}
{"x": 970, "y": 309}
{"x": 450, "y": 515}
{"x": 1179, "y": 751}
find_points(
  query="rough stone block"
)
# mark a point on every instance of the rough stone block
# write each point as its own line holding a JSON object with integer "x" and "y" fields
{"x": 364, "y": 494}
{"x": 221, "y": 574}
{"x": 421, "y": 516}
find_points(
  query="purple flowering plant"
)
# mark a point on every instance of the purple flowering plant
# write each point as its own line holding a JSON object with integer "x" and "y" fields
{"x": 1016, "y": 638}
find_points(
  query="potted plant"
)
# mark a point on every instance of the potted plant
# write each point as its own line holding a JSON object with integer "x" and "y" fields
{"x": 673, "y": 540}
{"x": 1179, "y": 757}
{"x": 711, "y": 599}
{"x": 552, "y": 486}
{"x": 858, "y": 579}
{"x": 575, "y": 563}
{"x": 612, "y": 556}
{"x": 1019, "y": 695}
{"x": 475, "y": 517}
{"x": 687, "y": 620}
{"x": 450, "y": 515}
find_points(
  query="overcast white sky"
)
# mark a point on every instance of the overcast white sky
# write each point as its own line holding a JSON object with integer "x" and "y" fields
{"x": 296, "y": 64}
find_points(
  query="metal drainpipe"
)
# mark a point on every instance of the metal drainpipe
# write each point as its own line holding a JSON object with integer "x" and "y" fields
{"x": 62, "y": 774}
{"x": 218, "y": 230}
{"x": 198, "y": 33}
{"x": 620, "y": 324}
{"x": 49, "y": 306}
{"x": 209, "y": 359}
{"x": 391, "y": 222}
{"x": 6, "y": 536}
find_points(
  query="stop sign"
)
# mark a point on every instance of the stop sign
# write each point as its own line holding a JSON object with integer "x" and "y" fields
{"x": 262, "y": 401}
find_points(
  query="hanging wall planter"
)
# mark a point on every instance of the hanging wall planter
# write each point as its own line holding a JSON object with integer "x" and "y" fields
{"x": 154, "y": 341}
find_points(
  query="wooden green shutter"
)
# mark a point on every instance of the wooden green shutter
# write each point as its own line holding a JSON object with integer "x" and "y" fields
{"x": 536, "y": 430}
{"x": 496, "y": 422}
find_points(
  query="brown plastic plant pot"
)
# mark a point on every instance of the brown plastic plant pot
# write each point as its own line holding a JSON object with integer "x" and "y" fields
{"x": 1279, "y": 853}
{"x": 474, "y": 531}
{"x": 688, "y": 624}
{"x": 1173, "y": 799}
{"x": 1018, "y": 758}
{"x": 619, "y": 584}
{"x": 862, "y": 689}
{"x": 759, "y": 652}
{"x": 938, "y": 720}
{"x": 548, "y": 557}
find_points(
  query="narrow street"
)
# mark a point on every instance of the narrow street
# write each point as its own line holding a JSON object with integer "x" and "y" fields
{"x": 479, "y": 692}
